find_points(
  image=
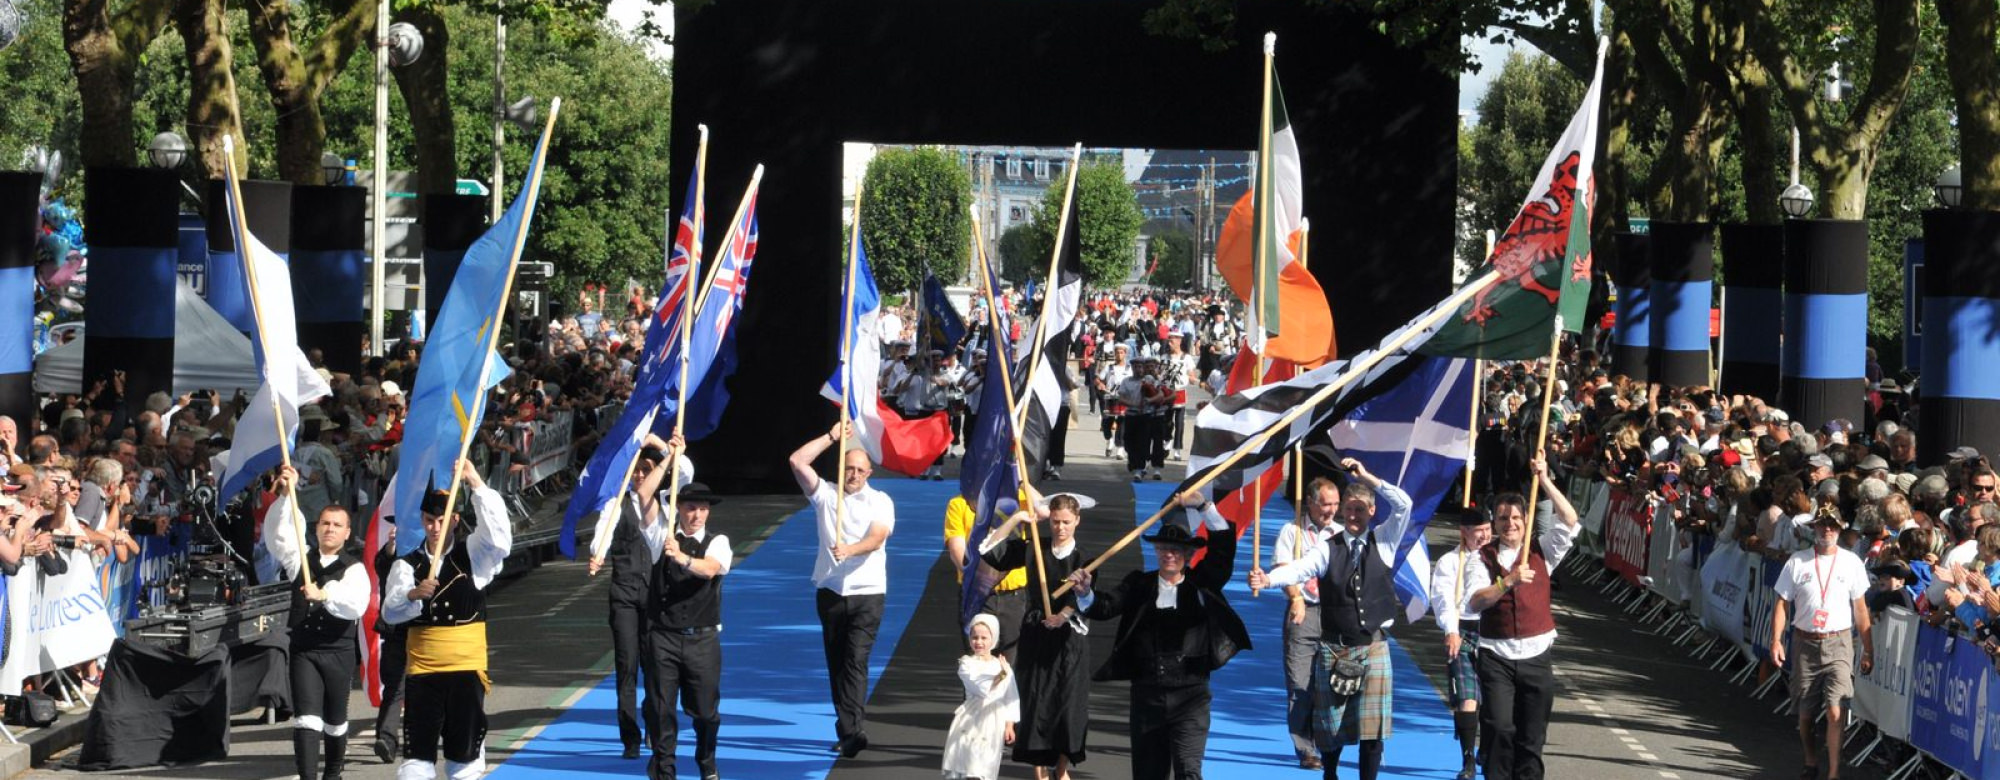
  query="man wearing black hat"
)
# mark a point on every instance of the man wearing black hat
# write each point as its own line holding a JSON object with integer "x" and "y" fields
{"x": 1451, "y": 594}
{"x": 630, "y": 537}
{"x": 684, "y": 649}
{"x": 1174, "y": 629}
{"x": 1357, "y": 604}
{"x": 445, "y": 692}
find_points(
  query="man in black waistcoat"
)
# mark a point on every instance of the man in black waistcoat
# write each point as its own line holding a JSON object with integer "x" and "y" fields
{"x": 332, "y": 593}
{"x": 1174, "y": 629}
{"x": 1357, "y": 603}
{"x": 634, "y": 546}
{"x": 684, "y": 649}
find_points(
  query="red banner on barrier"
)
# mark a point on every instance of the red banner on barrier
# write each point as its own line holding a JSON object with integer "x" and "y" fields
{"x": 1628, "y": 530}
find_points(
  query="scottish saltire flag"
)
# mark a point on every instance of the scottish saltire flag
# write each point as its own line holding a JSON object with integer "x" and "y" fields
{"x": 658, "y": 372}
{"x": 988, "y": 475}
{"x": 448, "y": 401}
{"x": 712, "y": 343}
{"x": 943, "y": 327}
{"x": 289, "y": 380}
{"x": 1414, "y": 434}
{"x": 860, "y": 370}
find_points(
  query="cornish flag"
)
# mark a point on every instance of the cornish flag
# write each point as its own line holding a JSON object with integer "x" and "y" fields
{"x": 1415, "y": 435}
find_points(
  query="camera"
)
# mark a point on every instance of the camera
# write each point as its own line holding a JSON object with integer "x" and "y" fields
{"x": 65, "y": 542}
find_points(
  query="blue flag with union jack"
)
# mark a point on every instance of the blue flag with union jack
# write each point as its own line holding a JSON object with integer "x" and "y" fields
{"x": 712, "y": 344}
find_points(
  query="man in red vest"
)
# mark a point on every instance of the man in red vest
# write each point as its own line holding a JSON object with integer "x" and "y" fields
{"x": 1516, "y": 629}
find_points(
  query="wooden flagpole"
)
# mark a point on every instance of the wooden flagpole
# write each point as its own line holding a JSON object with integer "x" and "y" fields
{"x": 486, "y": 346}
{"x": 1542, "y": 435}
{"x": 1262, "y": 257}
{"x": 688, "y": 311}
{"x": 1298, "y": 450}
{"x": 687, "y": 314}
{"x": 240, "y": 226}
{"x": 1359, "y": 368}
{"x": 1007, "y": 383}
{"x": 1478, "y": 394}
{"x": 1020, "y": 408}
{"x": 846, "y": 370}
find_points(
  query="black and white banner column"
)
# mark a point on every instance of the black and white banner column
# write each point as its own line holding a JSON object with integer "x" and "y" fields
{"x": 267, "y": 206}
{"x": 1683, "y": 287}
{"x": 1631, "y": 332}
{"x": 1753, "y": 308}
{"x": 132, "y": 226}
{"x": 329, "y": 259}
{"x": 1826, "y": 320}
{"x": 1961, "y": 360}
{"x": 20, "y": 218}
{"x": 451, "y": 223}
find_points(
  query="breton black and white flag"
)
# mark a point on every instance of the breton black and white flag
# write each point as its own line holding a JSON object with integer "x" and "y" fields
{"x": 1049, "y": 385}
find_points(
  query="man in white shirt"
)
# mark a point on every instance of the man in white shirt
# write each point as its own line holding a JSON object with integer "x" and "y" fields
{"x": 1516, "y": 629}
{"x": 1296, "y": 540}
{"x": 851, "y": 574}
{"x": 1821, "y": 600}
{"x": 1451, "y": 597}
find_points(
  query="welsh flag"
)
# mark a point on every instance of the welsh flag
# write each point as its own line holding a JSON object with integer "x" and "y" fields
{"x": 1257, "y": 252}
{"x": 1543, "y": 259}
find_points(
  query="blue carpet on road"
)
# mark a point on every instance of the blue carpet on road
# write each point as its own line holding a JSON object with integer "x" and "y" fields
{"x": 1246, "y": 734}
{"x": 777, "y": 714}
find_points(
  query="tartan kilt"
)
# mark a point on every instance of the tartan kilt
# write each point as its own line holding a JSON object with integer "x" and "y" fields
{"x": 1342, "y": 720}
{"x": 1462, "y": 672}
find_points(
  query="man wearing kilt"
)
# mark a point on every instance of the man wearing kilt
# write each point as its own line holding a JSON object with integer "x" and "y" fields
{"x": 1452, "y": 600}
{"x": 1302, "y": 620}
{"x": 1357, "y": 604}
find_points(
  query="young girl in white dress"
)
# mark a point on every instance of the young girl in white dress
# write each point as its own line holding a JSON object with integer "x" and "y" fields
{"x": 984, "y": 724}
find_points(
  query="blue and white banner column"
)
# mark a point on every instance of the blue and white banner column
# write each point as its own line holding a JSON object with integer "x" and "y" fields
{"x": 132, "y": 226}
{"x": 451, "y": 223}
{"x": 1631, "y": 333}
{"x": 1683, "y": 255}
{"x": 1753, "y": 308}
{"x": 20, "y": 221}
{"x": 1961, "y": 357}
{"x": 1826, "y": 320}
{"x": 267, "y": 206}
{"x": 329, "y": 260}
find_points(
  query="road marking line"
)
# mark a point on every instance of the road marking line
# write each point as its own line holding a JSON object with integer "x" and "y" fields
{"x": 1648, "y": 757}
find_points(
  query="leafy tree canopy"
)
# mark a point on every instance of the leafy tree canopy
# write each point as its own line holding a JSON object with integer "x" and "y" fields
{"x": 916, "y": 212}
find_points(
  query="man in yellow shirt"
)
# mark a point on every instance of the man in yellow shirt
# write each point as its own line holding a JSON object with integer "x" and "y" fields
{"x": 1009, "y": 602}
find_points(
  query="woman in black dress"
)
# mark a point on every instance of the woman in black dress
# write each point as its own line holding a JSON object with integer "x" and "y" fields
{"x": 1053, "y": 664}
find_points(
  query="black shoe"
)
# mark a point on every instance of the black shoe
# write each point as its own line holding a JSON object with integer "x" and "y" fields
{"x": 336, "y": 758}
{"x": 385, "y": 748}
{"x": 852, "y": 746}
{"x": 631, "y": 751}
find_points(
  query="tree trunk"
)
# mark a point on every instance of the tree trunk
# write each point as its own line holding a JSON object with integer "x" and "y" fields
{"x": 1974, "y": 66}
{"x": 104, "y": 53}
{"x": 423, "y": 86}
{"x": 211, "y": 106}
{"x": 296, "y": 80}
{"x": 1613, "y": 174}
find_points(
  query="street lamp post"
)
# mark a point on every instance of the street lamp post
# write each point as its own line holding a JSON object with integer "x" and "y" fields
{"x": 333, "y": 168}
{"x": 1796, "y": 200}
{"x": 168, "y": 151}
{"x": 1949, "y": 188}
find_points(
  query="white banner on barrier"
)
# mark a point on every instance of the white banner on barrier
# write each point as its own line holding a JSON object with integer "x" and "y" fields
{"x": 53, "y": 622}
{"x": 1725, "y": 588}
{"x": 1882, "y": 697}
{"x": 1660, "y": 575}
{"x": 548, "y": 446}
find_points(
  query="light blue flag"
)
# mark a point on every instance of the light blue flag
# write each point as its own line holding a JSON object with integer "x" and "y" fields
{"x": 459, "y": 364}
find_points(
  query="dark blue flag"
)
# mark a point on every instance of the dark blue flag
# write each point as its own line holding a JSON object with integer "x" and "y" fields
{"x": 943, "y": 328}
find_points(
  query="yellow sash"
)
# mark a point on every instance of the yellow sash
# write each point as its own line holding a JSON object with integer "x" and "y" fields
{"x": 449, "y": 649}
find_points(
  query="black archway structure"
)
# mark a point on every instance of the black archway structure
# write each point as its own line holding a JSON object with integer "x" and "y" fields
{"x": 785, "y": 82}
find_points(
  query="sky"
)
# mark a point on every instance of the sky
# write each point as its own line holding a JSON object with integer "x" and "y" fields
{"x": 1472, "y": 86}
{"x": 627, "y": 14}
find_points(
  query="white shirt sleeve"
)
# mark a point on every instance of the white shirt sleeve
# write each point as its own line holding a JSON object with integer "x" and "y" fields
{"x": 1443, "y": 602}
{"x": 1313, "y": 564}
{"x": 1558, "y": 538}
{"x": 719, "y": 552}
{"x": 397, "y": 607}
{"x": 347, "y": 597}
{"x": 281, "y": 535}
{"x": 1390, "y": 533}
{"x": 493, "y": 539}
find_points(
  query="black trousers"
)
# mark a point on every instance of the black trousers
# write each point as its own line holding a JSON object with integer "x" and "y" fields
{"x": 1143, "y": 445}
{"x": 447, "y": 707}
{"x": 689, "y": 666}
{"x": 321, "y": 678}
{"x": 1058, "y": 438}
{"x": 1008, "y": 607}
{"x": 847, "y": 626}
{"x": 1169, "y": 731}
{"x": 628, "y": 634}
{"x": 1177, "y": 421}
{"x": 395, "y": 659}
{"x": 1514, "y": 715}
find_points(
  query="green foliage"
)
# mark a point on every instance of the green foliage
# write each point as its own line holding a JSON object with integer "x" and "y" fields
{"x": 1172, "y": 260}
{"x": 42, "y": 107}
{"x": 916, "y": 213}
{"x": 1023, "y": 253}
{"x": 1920, "y": 145}
{"x": 1521, "y": 115}
{"x": 1110, "y": 217}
